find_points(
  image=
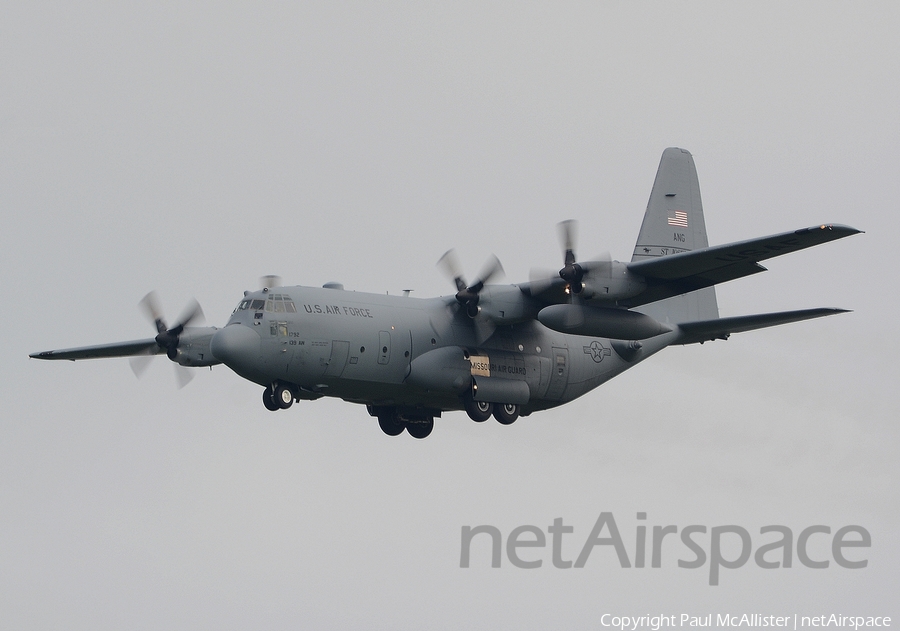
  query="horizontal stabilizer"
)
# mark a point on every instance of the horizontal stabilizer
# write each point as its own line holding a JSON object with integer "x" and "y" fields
{"x": 119, "y": 349}
{"x": 721, "y": 328}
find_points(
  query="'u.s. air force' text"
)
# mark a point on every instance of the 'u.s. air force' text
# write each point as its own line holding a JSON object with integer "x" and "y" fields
{"x": 338, "y": 310}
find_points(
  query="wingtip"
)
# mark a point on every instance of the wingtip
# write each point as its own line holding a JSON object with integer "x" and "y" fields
{"x": 829, "y": 311}
{"x": 844, "y": 230}
{"x": 850, "y": 230}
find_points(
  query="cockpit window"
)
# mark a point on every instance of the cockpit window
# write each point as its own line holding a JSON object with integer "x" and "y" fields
{"x": 275, "y": 303}
{"x": 280, "y": 303}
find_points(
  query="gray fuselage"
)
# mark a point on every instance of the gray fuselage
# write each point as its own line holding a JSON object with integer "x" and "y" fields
{"x": 363, "y": 347}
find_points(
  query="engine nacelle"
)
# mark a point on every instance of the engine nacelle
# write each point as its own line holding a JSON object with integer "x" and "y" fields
{"x": 617, "y": 324}
{"x": 616, "y": 284}
{"x": 193, "y": 347}
{"x": 505, "y": 305}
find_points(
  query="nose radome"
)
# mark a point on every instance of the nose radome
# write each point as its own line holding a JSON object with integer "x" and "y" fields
{"x": 236, "y": 345}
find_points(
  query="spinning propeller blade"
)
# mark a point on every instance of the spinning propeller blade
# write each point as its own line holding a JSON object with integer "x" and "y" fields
{"x": 449, "y": 264}
{"x": 269, "y": 281}
{"x": 166, "y": 338}
{"x": 572, "y": 273}
{"x": 467, "y": 296}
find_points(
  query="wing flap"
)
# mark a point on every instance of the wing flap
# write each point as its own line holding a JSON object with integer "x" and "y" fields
{"x": 659, "y": 290}
{"x": 118, "y": 349}
{"x": 721, "y": 328}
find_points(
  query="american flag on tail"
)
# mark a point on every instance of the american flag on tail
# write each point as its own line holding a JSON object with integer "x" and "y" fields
{"x": 678, "y": 218}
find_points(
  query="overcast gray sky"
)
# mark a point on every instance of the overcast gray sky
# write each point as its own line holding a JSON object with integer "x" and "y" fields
{"x": 192, "y": 149}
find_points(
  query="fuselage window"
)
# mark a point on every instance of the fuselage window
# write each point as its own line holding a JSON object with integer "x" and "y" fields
{"x": 278, "y": 328}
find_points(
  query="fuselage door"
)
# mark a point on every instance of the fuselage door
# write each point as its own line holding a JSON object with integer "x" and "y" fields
{"x": 559, "y": 375}
{"x": 384, "y": 347}
{"x": 340, "y": 349}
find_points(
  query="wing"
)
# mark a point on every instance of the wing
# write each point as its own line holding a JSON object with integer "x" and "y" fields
{"x": 119, "y": 349}
{"x": 721, "y": 328}
{"x": 681, "y": 273}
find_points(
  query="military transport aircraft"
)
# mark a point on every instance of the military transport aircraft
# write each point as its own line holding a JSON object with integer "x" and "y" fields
{"x": 501, "y": 350}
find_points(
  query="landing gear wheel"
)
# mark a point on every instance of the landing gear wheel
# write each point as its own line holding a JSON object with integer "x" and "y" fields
{"x": 420, "y": 428}
{"x": 390, "y": 424}
{"x": 507, "y": 413}
{"x": 269, "y": 401}
{"x": 478, "y": 411}
{"x": 283, "y": 396}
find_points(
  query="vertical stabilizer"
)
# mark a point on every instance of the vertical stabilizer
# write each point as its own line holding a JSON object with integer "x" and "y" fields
{"x": 674, "y": 223}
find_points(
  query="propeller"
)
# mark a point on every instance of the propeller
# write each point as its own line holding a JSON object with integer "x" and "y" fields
{"x": 140, "y": 363}
{"x": 269, "y": 281}
{"x": 468, "y": 295}
{"x": 449, "y": 263}
{"x": 166, "y": 338}
{"x": 572, "y": 273}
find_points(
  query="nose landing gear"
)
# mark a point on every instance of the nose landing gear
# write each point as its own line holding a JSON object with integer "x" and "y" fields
{"x": 278, "y": 397}
{"x": 269, "y": 400}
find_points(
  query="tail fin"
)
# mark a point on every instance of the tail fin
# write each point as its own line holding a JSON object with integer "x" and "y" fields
{"x": 674, "y": 223}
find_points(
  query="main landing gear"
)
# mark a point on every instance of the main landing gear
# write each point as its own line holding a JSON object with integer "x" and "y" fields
{"x": 480, "y": 411}
{"x": 506, "y": 413}
{"x": 392, "y": 422}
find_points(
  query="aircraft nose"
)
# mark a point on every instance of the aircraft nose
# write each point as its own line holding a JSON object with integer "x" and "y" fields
{"x": 236, "y": 345}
